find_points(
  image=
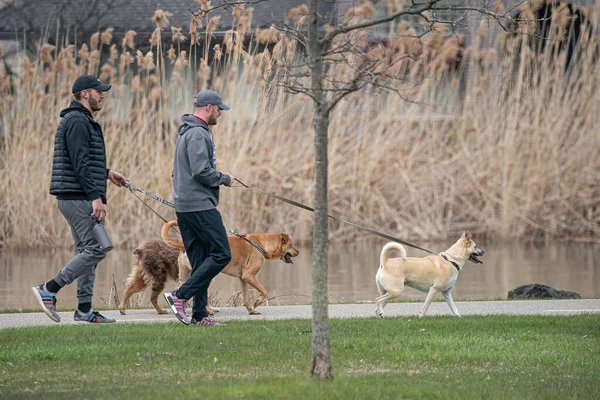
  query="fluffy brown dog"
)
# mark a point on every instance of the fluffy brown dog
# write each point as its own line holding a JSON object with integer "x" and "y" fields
{"x": 246, "y": 261}
{"x": 155, "y": 262}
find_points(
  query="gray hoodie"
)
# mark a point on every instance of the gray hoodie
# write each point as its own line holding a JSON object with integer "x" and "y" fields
{"x": 195, "y": 177}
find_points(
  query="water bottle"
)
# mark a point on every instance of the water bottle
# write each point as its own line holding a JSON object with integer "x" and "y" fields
{"x": 101, "y": 236}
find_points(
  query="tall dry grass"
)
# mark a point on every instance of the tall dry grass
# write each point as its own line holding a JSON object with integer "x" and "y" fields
{"x": 517, "y": 156}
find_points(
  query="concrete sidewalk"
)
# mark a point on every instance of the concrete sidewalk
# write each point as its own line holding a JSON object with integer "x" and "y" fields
{"x": 362, "y": 310}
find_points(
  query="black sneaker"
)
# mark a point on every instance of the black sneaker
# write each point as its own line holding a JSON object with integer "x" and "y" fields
{"x": 94, "y": 318}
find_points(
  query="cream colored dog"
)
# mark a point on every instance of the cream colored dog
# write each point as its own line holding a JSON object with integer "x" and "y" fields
{"x": 432, "y": 274}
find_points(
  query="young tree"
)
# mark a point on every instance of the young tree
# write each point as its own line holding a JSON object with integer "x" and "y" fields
{"x": 342, "y": 58}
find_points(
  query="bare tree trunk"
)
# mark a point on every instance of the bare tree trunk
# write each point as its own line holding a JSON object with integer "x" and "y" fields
{"x": 321, "y": 352}
{"x": 321, "y": 361}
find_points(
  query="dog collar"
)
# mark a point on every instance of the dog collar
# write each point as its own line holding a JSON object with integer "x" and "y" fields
{"x": 256, "y": 246}
{"x": 450, "y": 261}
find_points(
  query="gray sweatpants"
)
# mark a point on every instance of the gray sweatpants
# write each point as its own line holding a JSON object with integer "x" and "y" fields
{"x": 83, "y": 267}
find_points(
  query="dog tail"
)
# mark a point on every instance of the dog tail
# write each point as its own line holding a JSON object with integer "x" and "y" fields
{"x": 391, "y": 246}
{"x": 164, "y": 234}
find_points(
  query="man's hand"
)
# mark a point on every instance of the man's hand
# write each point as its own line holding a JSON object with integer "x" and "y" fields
{"x": 98, "y": 209}
{"x": 231, "y": 179}
{"x": 117, "y": 178}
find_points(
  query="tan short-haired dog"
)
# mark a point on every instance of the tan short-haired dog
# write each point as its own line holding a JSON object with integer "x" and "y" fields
{"x": 246, "y": 261}
{"x": 432, "y": 274}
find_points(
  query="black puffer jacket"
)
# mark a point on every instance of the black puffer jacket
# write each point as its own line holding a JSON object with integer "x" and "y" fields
{"x": 79, "y": 166}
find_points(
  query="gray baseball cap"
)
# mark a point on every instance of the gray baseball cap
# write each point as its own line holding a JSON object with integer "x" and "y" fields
{"x": 208, "y": 97}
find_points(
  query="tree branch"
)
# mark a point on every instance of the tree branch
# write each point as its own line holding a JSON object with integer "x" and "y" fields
{"x": 413, "y": 10}
{"x": 227, "y": 4}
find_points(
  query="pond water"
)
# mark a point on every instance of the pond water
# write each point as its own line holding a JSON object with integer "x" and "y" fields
{"x": 567, "y": 266}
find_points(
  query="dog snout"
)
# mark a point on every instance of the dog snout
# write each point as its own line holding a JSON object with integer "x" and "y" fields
{"x": 479, "y": 252}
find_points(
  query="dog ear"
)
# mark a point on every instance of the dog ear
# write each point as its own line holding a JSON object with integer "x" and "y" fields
{"x": 463, "y": 236}
{"x": 285, "y": 238}
{"x": 469, "y": 236}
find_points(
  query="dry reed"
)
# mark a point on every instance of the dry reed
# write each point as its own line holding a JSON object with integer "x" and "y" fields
{"x": 516, "y": 158}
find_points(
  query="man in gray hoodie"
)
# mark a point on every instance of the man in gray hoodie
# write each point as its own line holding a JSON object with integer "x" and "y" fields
{"x": 196, "y": 182}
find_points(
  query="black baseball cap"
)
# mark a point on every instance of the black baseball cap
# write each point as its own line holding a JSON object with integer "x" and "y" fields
{"x": 89, "y": 82}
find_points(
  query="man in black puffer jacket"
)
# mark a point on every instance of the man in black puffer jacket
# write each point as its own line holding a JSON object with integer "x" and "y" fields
{"x": 79, "y": 177}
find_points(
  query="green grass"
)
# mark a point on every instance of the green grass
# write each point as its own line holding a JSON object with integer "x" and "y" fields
{"x": 501, "y": 357}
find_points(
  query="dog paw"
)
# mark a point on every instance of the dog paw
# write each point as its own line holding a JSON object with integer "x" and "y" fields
{"x": 254, "y": 312}
{"x": 162, "y": 312}
{"x": 257, "y": 303}
{"x": 122, "y": 312}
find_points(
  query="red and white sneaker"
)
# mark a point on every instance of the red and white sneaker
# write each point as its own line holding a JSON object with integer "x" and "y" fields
{"x": 206, "y": 321}
{"x": 178, "y": 306}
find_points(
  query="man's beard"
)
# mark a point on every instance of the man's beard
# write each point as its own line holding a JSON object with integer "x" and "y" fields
{"x": 94, "y": 105}
{"x": 211, "y": 120}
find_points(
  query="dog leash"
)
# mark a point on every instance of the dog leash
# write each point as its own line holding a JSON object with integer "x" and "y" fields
{"x": 133, "y": 189}
{"x": 361, "y": 227}
{"x": 281, "y": 198}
